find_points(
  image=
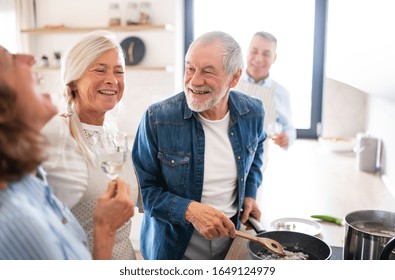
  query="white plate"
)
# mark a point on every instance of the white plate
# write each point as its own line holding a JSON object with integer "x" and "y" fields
{"x": 338, "y": 144}
{"x": 298, "y": 225}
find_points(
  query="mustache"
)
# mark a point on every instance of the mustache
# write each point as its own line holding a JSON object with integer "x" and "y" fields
{"x": 199, "y": 89}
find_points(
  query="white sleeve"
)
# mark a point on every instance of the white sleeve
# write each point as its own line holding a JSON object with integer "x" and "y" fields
{"x": 67, "y": 172}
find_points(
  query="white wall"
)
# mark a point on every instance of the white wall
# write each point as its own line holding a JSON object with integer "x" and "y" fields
{"x": 344, "y": 110}
{"x": 163, "y": 48}
{"x": 381, "y": 116}
{"x": 361, "y": 44}
{"x": 360, "y": 60}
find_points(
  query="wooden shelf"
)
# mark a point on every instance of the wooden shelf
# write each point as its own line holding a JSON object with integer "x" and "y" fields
{"x": 126, "y": 28}
{"x": 128, "y": 68}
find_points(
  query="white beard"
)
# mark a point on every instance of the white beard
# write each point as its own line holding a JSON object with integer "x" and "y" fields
{"x": 205, "y": 105}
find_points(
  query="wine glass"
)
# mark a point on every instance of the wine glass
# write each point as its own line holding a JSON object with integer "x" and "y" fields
{"x": 113, "y": 154}
{"x": 274, "y": 129}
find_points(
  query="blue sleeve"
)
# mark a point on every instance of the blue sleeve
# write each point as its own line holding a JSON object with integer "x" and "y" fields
{"x": 283, "y": 108}
{"x": 27, "y": 239}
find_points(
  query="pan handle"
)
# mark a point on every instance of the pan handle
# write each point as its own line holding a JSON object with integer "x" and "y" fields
{"x": 257, "y": 226}
{"x": 385, "y": 254}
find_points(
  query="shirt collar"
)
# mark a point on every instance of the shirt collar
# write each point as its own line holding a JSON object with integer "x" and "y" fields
{"x": 248, "y": 78}
{"x": 41, "y": 174}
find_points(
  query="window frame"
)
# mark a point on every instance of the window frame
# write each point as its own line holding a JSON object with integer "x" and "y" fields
{"x": 318, "y": 62}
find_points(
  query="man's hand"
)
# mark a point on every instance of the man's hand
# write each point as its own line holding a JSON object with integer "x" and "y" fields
{"x": 250, "y": 208}
{"x": 281, "y": 140}
{"x": 210, "y": 222}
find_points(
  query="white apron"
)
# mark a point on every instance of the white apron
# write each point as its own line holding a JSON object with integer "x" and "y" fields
{"x": 266, "y": 95}
{"x": 97, "y": 185}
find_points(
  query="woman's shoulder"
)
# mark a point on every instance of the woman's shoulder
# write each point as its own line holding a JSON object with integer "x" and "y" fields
{"x": 56, "y": 128}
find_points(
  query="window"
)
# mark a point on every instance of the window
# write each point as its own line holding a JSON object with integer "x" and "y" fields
{"x": 299, "y": 27}
{"x": 8, "y": 34}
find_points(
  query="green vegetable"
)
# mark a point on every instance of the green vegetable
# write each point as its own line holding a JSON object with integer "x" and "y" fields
{"x": 331, "y": 219}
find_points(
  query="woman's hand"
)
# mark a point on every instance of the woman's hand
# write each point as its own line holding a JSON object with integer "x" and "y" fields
{"x": 114, "y": 208}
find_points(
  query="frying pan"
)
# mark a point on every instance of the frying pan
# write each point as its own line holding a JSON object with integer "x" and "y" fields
{"x": 291, "y": 241}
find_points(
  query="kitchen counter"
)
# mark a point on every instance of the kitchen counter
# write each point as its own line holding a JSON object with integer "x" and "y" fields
{"x": 308, "y": 179}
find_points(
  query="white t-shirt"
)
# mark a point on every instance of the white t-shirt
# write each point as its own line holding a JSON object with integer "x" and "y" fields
{"x": 220, "y": 170}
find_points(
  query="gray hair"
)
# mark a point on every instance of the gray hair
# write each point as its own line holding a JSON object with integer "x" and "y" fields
{"x": 74, "y": 64}
{"x": 78, "y": 59}
{"x": 267, "y": 36}
{"x": 233, "y": 59}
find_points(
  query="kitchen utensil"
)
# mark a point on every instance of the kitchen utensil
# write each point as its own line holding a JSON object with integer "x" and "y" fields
{"x": 291, "y": 241}
{"x": 337, "y": 144}
{"x": 297, "y": 224}
{"x": 369, "y": 235}
{"x": 368, "y": 150}
{"x": 268, "y": 243}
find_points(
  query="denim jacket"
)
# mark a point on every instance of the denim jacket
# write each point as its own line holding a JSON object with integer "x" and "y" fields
{"x": 168, "y": 155}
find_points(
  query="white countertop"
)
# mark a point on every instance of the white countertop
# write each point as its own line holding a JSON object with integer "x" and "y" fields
{"x": 308, "y": 179}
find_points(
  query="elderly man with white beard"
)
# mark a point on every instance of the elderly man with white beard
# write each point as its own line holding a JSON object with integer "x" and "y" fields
{"x": 198, "y": 157}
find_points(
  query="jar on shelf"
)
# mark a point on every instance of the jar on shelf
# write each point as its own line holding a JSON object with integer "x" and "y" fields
{"x": 145, "y": 13}
{"x": 114, "y": 14}
{"x": 132, "y": 14}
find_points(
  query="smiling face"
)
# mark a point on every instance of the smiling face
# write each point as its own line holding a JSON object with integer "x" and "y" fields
{"x": 261, "y": 56}
{"x": 206, "y": 84}
{"x": 100, "y": 88}
{"x": 34, "y": 108}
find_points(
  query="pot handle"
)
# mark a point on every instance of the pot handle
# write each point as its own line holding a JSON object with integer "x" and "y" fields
{"x": 256, "y": 225}
{"x": 385, "y": 254}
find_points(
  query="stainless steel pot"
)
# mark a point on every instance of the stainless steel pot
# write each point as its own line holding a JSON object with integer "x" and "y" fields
{"x": 369, "y": 235}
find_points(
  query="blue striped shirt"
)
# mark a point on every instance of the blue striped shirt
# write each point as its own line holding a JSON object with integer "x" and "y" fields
{"x": 34, "y": 224}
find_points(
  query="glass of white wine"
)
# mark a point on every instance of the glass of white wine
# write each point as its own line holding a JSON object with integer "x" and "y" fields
{"x": 274, "y": 129}
{"x": 113, "y": 154}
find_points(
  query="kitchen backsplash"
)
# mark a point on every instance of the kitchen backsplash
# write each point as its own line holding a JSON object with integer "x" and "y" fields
{"x": 344, "y": 110}
{"x": 348, "y": 111}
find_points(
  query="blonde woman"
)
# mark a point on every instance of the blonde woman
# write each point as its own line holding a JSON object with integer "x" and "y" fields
{"x": 93, "y": 79}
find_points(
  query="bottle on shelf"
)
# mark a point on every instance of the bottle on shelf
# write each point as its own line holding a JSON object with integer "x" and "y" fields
{"x": 145, "y": 13}
{"x": 132, "y": 14}
{"x": 114, "y": 14}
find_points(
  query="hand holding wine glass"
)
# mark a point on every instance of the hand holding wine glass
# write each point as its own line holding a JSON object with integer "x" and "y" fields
{"x": 276, "y": 133}
{"x": 113, "y": 154}
{"x": 274, "y": 129}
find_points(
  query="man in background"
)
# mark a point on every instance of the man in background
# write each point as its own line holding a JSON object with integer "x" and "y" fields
{"x": 261, "y": 55}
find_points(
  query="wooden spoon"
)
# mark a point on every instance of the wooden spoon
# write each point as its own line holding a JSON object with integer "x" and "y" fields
{"x": 270, "y": 244}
